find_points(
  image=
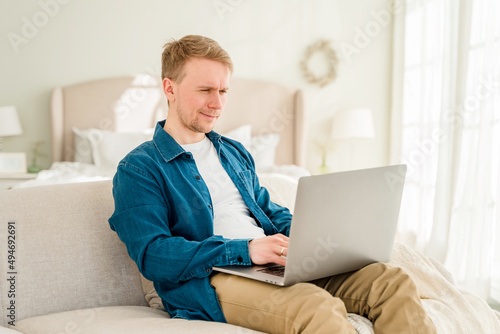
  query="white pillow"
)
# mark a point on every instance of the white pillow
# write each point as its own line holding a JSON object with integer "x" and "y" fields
{"x": 108, "y": 148}
{"x": 263, "y": 149}
{"x": 243, "y": 134}
{"x": 82, "y": 146}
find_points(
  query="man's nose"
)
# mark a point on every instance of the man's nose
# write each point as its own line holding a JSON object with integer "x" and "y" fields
{"x": 215, "y": 101}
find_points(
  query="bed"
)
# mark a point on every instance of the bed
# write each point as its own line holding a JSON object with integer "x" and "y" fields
{"x": 96, "y": 123}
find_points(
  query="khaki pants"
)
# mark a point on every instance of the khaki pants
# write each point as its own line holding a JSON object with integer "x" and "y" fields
{"x": 385, "y": 295}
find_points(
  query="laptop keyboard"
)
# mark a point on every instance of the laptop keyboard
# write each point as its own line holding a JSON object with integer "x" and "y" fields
{"x": 276, "y": 270}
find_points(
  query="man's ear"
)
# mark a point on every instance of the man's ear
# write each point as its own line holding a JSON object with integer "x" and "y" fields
{"x": 168, "y": 89}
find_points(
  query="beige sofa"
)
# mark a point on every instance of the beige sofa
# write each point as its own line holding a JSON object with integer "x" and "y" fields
{"x": 67, "y": 272}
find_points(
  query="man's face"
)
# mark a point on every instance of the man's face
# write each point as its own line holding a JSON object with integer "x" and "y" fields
{"x": 200, "y": 96}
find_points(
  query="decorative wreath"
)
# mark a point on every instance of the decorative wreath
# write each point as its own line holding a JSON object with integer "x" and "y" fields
{"x": 322, "y": 46}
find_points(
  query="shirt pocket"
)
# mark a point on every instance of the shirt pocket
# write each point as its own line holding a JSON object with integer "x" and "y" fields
{"x": 247, "y": 177}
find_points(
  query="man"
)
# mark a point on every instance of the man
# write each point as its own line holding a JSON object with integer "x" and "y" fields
{"x": 190, "y": 199}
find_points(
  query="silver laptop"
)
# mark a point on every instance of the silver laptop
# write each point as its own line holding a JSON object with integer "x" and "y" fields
{"x": 341, "y": 222}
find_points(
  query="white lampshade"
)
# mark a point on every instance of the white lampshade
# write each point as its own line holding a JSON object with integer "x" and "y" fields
{"x": 9, "y": 122}
{"x": 353, "y": 123}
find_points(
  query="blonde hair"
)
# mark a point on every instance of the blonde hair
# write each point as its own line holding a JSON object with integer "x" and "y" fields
{"x": 177, "y": 52}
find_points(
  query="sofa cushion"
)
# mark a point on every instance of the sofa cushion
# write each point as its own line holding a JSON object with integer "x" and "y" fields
{"x": 4, "y": 330}
{"x": 152, "y": 297}
{"x": 66, "y": 255}
{"x": 122, "y": 320}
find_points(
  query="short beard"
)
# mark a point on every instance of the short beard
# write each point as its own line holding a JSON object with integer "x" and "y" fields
{"x": 195, "y": 127}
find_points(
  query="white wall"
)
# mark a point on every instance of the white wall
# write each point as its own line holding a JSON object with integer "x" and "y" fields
{"x": 49, "y": 43}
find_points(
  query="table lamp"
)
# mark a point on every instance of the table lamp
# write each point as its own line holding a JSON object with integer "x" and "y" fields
{"x": 349, "y": 124}
{"x": 9, "y": 123}
{"x": 353, "y": 124}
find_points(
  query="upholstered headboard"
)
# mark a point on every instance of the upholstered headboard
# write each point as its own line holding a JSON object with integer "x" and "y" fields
{"x": 129, "y": 104}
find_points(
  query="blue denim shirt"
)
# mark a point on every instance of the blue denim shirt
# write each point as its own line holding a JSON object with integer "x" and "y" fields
{"x": 164, "y": 215}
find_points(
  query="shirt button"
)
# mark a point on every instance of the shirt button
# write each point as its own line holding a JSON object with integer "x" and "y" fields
{"x": 209, "y": 206}
{"x": 198, "y": 177}
{"x": 240, "y": 259}
{"x": 188, "y": 156}
{"x": 208, "y": 270}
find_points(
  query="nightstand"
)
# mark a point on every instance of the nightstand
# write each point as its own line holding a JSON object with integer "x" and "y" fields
{"x": 8, "y": 180}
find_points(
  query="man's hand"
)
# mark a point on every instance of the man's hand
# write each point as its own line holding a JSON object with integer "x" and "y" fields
{"x": 269, "y": 249}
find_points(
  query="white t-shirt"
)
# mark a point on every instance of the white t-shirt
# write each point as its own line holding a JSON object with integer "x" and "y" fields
{"x": 232, "y": 218}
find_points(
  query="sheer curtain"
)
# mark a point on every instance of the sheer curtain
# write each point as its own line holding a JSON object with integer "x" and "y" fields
{"x": 446, "y": 125}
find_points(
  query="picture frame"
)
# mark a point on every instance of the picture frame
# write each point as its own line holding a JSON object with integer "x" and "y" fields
{"x": 13, "y": 162}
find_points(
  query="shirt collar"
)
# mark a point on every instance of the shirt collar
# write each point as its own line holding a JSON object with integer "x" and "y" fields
{"x": 169, "y": 148}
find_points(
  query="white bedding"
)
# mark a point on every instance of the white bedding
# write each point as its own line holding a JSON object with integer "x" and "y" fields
{"x": 70, "y": 172}
{"x": 67, "y": 172}
{"x": 452, "y": 310}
